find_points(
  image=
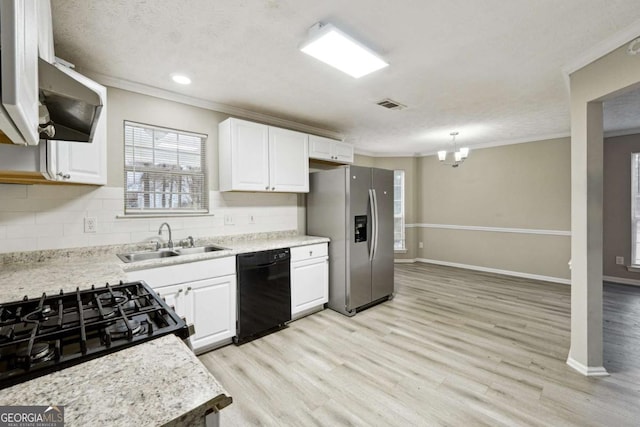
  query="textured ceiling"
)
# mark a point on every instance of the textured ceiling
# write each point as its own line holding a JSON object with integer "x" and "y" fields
{"x": 490, "y": 69}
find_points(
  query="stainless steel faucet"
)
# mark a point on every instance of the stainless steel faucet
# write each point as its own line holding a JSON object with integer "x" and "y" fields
{"x": 170, "y": 243}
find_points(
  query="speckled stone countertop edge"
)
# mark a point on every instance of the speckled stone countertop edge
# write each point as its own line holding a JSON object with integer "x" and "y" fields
{"x": 216, "y": 404}
{"x": 45, "y": 255}
{"x": 235, "y": 249}
{"x": 172, "y": 385}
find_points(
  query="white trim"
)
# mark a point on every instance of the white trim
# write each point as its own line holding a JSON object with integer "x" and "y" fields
{"x": 404, "y": 261}
{"x": 633, "y": 268}
{"x": 497, "y": 271}
{"x": 621, "y": 280}
{"x": 493, "y": 229}
{"x": 601, "y": 49}
{"x": 400, "y": 251}
{"x": 494, "y": 143}
{"x": 209, "y": 105}
{"x": 162, "y": 215}
{"x": 589, "y": 371}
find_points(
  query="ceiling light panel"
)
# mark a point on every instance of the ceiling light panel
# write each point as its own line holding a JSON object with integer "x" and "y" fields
{"x": 333, "y": 47}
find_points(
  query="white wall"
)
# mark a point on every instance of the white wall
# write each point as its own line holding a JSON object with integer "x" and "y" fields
{"x": 52, "y": 216}
{"x": 35, "y": 217}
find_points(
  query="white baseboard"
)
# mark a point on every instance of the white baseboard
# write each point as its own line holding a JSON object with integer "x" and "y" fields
{"x": 588, "y": 371}
{"x": 621, "y": 280}
{"x": 497, "y": 271}
{"x": 404, "y": 260}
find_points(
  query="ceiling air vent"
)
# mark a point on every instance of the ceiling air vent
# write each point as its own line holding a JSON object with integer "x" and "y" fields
{"x": 391, "y": 104}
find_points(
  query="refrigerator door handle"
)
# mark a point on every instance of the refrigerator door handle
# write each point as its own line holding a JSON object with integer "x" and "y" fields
{"x": 375, "y": 223}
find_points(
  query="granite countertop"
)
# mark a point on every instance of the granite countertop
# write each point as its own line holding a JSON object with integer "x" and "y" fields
{"x": 157, "y": 383}
{"x": 233, "y": 247}
{"x": 32, "y": 273}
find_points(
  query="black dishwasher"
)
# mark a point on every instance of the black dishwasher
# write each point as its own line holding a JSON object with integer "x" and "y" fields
{"x": 264, "y": 293}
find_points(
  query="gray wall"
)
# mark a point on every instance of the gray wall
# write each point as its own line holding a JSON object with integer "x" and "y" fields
{"x": 125, "y": 105}
{"x": 617, "y": 204}
{"x": 519, "y": 188}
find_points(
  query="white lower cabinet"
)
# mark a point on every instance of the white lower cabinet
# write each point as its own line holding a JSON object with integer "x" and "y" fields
{"x": 207, "y": 302}
{"x": 309, "y": 278}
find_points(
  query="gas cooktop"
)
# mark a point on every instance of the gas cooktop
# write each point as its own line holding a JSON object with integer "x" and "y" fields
{"x": 42, "y": 335}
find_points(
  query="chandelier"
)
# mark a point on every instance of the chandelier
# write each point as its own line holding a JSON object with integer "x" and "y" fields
{"x": 459, "y": 155}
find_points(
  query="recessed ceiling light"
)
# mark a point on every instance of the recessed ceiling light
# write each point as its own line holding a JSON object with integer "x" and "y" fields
{"x": 332, "y": 46}
{"x": 181, "y": 79}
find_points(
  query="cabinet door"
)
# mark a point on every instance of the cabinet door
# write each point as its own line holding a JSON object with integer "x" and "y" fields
{"x": 212, "y": 305}
{"x": 78, "y": 162}
{"x": 309, "y": 284}
{"x": 320, "y": 147}
{"x": 249, "y": 156}
{"x": 342, "y": 152}
{"x": 174, "y": 297}
{"x": 288, "y": 161}
{"x": 19, "y": 40}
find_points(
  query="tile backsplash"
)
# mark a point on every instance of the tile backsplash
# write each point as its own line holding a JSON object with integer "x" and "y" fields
{"x": 35, "y": 217}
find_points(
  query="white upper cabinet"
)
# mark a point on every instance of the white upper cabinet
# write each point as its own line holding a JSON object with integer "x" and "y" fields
{"x": 249, "y": 149}
{"x": 19, "y": 40}
{"x": 322, "y": 148}
{"x": 342, "y": 152}
{"x": 79, "y": 162}
{"x": 289, "y": 161}
{"x": 45, "y": 31}
{"x": 256, "y": 157}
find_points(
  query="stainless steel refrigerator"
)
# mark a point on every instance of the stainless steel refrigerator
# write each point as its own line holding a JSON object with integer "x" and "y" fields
{"x": 353, "y": 206}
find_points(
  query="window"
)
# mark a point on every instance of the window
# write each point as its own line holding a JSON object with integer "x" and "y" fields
{"x": 635, "y": 209}
{"x": 165, "y": 170}
{"x": 398, "y": 210}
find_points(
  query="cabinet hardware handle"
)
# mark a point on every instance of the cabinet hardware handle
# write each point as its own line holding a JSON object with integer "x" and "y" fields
{"x": 310, "y": 253}
{"x": 273, "y": 188}
{"x": 48, "y": 129}
{"x": 179, "y": 290}
{"x": 266, "y": 188}
{"x": 64, "y": 175}
{"x": 189, "y": 288}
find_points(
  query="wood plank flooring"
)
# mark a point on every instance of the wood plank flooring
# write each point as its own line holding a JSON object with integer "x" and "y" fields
{"x": 454, "y": 347}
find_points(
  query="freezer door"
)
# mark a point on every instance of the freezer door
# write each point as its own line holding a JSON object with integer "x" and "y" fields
{"x": 359, "y": 284}
{"x": 382, "y": 263}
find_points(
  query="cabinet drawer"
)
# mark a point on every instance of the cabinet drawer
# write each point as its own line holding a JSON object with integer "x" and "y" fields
{"x": 300, "y": 253}
{"x": 187, "y": 272}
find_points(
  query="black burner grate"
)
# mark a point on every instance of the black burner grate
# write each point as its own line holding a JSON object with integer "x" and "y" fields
{"x": 42, "y": 335}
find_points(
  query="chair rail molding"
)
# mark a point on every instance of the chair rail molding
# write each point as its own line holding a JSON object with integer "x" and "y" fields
{"x": 492, "y": 229}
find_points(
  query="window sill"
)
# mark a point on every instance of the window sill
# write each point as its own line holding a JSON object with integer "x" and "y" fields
{"x": 633, "y": 268}
{"x": 163, "y": 215}
{"x": 403, "y": 251}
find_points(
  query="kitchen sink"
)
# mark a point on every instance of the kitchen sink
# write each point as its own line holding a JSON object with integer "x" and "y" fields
{"x": 165, "y": 253}
{"x": 144, "y": 256}
{"x": 199, "y": 250}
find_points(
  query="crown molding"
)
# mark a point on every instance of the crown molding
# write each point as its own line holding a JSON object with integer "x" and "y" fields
{"x": 498, "y": 143}
{"x": 156, "y": 92}
{"x": 601, "y": 49}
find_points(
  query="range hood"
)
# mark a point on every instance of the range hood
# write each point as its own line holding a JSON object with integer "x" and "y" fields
{"x": 73, "y": 108}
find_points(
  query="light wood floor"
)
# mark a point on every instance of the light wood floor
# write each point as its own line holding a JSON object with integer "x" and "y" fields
{"x": 454, "y": 347}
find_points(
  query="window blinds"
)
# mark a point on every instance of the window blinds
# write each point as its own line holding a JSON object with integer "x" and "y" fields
{"x": 165, "y": 170}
